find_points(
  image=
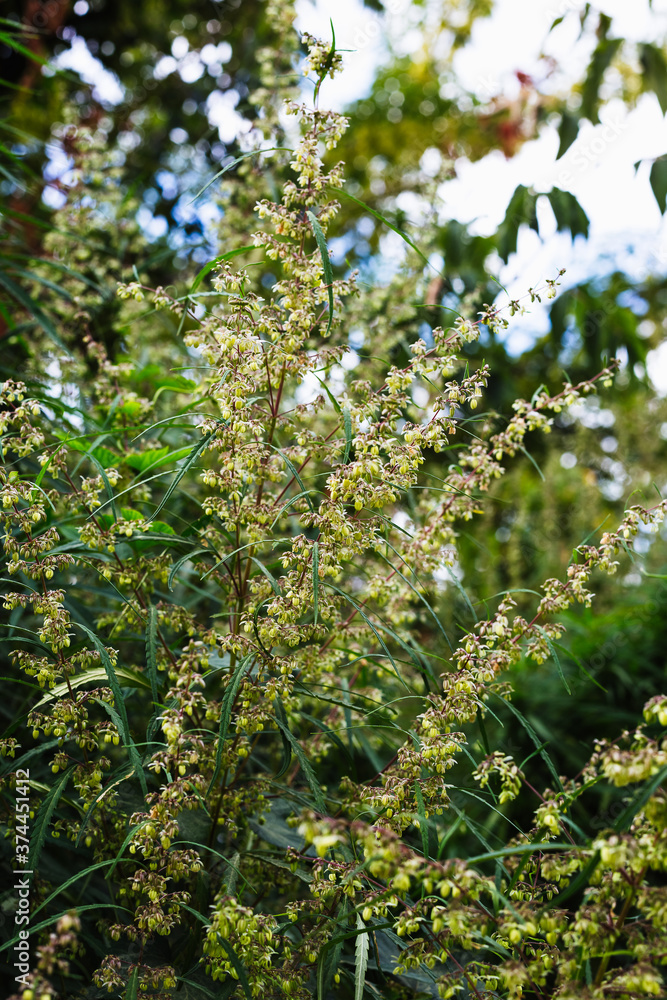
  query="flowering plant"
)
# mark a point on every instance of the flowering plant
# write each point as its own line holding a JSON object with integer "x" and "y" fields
{"x": 217, "y": 609}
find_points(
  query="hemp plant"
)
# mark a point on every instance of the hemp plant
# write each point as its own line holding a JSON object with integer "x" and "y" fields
{"x": 250, "y": 726}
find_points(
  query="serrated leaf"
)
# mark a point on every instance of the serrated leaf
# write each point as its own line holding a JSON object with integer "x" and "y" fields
{"x": 226, "y": 713}
{"x": 360, "y": 960}
{"x": 41, "y": 823}
{"x": 151, "y": 651}
{"x": 141, "y": 460}
{"x": 194, "y": 455}
{"x": 305, "y": 766}
{"x": 121, "y": 711}
{"x": 316, "y": 579}
{"x": 94, "y": 675}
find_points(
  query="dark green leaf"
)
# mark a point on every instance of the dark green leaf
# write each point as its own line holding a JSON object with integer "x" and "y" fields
{"x": 568, "y": 131}
{"x": 658, "y": 179}
{"x": 569, "y": 213}
{"x": 41, "y": 825}
{"x": 123, "y": 724}
{"x": 305, "y": 767}
{"x": 228, "y": 700}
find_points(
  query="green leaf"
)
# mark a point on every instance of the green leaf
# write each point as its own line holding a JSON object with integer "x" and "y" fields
{"x": 125, "y": 772}
{"x": 50, "y": 921}
{"x": 194, "y": 455}
{"x": 141, "y": 460}
{"x": 326, "y": 264}
{"x": 226, "y": 713}
{"x": 305, "y": 767}
{"x": 423, "y": 822}
{"x": 44, "y": 814}
{"x": 316, "y": 579}
{"x": 640, "y": 800}
{"x": 122, "y": 723}
{"x": 536, "y": 740}
{"x": 654, "y": 72}
{"x": 287, "y": 746}
{"x": 522, "y": 210}
{"x": 238, "y": 966}
{"x": 658, "y": 180}
{"x": 207, "y": 268}
{"x": 417, "y": 593}
{"x": 295, "y": 475}
{"x": 580, "y": 882}
{"x": 11, "y": 41}
{"x": 230, "y": 166}
{"x": 569, "y": 213}
{"x": 328, "y": 958}
{"x": 151, "y": 651}
{"x": 132, "y": 984}
{"x": 601, "y": 59}
{"x": 390, "y": 225}
{"x": 30, "y": 306}
{"x": 347, "y": 423}
{"x": 360, "y": 960}
{"x": 130, "y": 678}
{"x": 180, "y": 562}
{"x": 269, "y": 576}
{"x": 552, "y": 650}
{"x": 330, "y": 735}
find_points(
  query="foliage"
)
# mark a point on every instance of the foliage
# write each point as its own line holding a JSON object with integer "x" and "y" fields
{"x": 270, "y": 727}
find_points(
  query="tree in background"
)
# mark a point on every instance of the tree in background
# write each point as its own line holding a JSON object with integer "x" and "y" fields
{"x": 277, "y": 603}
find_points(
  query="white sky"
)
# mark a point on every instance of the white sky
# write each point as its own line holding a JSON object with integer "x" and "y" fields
{"x": 598, "y": 168}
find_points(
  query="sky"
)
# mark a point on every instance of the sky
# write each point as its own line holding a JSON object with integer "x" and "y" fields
{"x": 599, "y": 168}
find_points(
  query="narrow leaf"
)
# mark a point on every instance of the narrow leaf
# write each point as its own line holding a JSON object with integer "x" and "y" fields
{"x": 316, "y": 579}
{"x": 305, "y": 767}
{"x": 326, "y": 264}
{"x": 151, "y": 651}
{"x": 226, "y": 713}
{"x": 536, "y": 740}
{"x": 347, "y": 421}
{"x": 30, "y": 306}
{"x": 360, "y": 960}
{"x": 207, "y": 268}
{"x": 41, "y": 825}
{"x": 124, "y": 727}
{"x": 194, "y": 455}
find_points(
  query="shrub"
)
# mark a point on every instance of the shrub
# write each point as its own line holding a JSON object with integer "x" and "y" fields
{"x": 254, "y": 739}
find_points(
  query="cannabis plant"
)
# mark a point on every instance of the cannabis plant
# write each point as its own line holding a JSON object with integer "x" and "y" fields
{"x": 246, "y": 740}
